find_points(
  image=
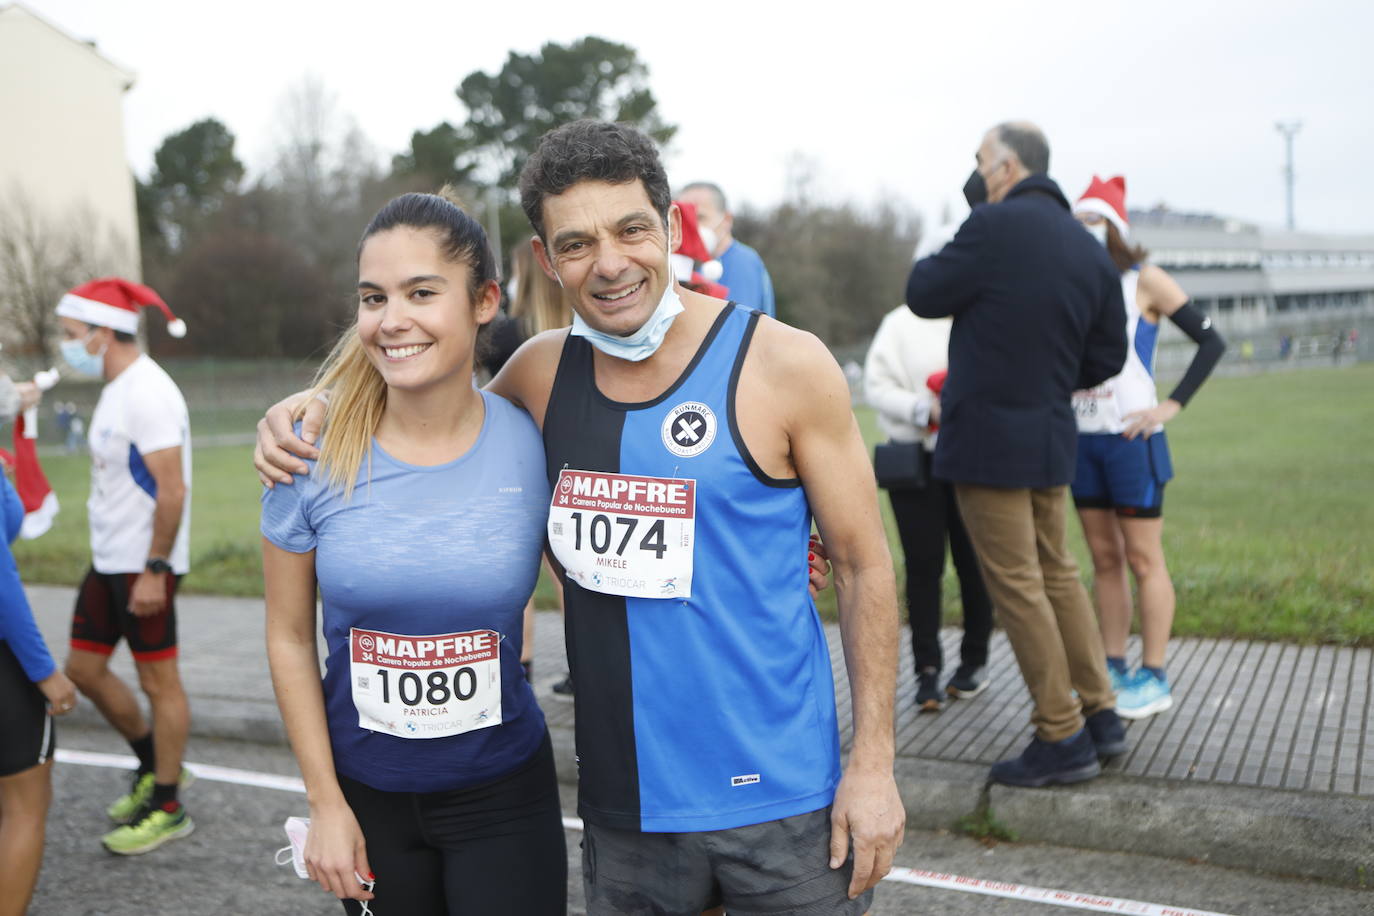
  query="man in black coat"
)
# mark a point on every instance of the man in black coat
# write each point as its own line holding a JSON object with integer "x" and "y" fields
{"x": 1038, "y": 313}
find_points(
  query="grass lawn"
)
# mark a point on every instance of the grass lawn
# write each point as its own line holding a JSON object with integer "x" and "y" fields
{"x": 225, "y": 553}
{"x": 1269, "y": 525}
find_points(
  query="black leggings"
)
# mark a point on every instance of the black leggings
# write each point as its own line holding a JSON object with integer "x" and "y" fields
{"x": 925, "y": 518}
{"x": 495, "y": 848}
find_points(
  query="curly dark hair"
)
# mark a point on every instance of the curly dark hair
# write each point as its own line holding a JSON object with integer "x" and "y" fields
{"x": 590, "y": 150}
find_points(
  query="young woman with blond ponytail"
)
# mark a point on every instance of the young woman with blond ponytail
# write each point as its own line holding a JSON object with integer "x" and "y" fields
{"x": 426, "y": 760}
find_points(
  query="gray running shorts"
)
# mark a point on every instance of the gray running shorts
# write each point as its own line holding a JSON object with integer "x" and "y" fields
{"x": 776, "y": 867}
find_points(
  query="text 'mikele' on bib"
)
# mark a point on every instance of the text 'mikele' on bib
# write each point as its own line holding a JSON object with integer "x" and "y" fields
{"x": 624, "y": 535}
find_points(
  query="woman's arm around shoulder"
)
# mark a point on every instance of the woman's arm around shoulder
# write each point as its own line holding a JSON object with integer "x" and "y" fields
{"x": 527, "y": 377}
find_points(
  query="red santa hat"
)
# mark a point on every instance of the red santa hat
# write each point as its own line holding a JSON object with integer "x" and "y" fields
{"x": 707, "y": 288}
{"x": 113, "y": 302}
{"x": 692, "y": 249}
{"x": 1107, "y": 199}
{"x": 40, "y": 502}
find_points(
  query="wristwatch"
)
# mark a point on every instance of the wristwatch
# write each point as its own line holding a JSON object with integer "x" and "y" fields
{"x": 158, "y": 565}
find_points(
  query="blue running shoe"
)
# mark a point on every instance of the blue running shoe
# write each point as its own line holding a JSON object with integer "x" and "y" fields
{"x": 1143, "y": 695}
{"x": 1118, "y": 679}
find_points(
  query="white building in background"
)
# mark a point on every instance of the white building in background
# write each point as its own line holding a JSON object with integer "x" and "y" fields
{"x": 1275, "y": 295}
{"x": 62, "y": 111}
{"x": 1250, "y": 278}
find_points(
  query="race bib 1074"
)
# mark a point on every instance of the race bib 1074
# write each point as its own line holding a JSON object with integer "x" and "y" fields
{"x": 621, "y": 534}
{"x": 425, "y": 686}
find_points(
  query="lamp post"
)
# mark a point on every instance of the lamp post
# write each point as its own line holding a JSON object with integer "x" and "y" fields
{"x": 1289, "y": 129}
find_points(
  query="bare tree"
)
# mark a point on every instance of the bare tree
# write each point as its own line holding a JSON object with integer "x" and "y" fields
{"x": 837, "y": 268}
{"x": 41, "y": 257}
{"x": 323, "y": 186}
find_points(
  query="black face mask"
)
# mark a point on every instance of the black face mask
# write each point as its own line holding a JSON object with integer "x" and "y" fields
{"x": 975, "y": 190}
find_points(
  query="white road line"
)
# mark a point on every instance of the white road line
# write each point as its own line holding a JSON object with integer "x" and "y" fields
{"x": 207, "y": 771}
{"x": 1071, "y": 899}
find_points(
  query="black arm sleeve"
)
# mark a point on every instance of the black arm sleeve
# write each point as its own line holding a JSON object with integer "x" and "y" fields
{"x": 1210, "y": 346}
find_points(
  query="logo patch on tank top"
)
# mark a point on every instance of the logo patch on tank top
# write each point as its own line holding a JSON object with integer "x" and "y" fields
{"x": 689, "y": 429}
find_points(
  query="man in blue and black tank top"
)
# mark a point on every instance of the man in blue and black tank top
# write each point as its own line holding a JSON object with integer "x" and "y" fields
{"x": 689, "y": 444}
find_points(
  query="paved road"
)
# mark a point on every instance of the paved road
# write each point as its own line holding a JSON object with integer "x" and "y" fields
{"x": 1273, "y": 769}
{"x": 226, "y": 865}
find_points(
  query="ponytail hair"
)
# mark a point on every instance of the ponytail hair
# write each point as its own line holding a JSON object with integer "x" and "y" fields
{"x": 1124, "y": 254}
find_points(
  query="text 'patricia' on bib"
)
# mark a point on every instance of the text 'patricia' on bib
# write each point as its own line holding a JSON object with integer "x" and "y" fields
{"x": 426, "y": 686}
{"x": 622, "y": 534}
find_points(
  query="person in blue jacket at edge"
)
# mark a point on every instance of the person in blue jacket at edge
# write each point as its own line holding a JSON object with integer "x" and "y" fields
{"x": 32, "y": 691}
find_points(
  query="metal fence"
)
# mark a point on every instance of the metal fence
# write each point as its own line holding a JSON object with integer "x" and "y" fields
{"x": 225, "y": 400}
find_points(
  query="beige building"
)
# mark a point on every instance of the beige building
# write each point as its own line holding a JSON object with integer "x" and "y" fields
{"x": 62, "y": 111}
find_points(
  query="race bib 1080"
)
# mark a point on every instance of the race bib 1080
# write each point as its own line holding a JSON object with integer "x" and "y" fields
{"x": 426, "y": 686}
{"x": 621, "y": 534}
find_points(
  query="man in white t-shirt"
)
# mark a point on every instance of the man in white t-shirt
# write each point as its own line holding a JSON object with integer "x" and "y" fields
{"x": 139, "y": 511}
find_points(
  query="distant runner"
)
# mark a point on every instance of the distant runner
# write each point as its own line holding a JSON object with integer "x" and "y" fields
{"x": 1123, "y": 457}
{"x": 140, "y": 518}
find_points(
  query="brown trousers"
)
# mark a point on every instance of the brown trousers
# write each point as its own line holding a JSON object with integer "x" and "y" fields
{"x": 1033, "y": 580}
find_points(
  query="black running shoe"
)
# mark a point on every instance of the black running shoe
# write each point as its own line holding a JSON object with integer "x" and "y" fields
{"x": 1108, "y": 733}
{"x": 967, "y": 682}
{"x": 1044, "y": 764}
{"x": 563, "y": 690}
{"x": 928, "y": 697}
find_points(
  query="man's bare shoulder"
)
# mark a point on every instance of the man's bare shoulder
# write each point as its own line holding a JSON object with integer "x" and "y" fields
{"x": 547, "y": 343}
{"x": 527, "y": 377}
{"x": 790, "y": 356}
{"x": 798, "y": 373}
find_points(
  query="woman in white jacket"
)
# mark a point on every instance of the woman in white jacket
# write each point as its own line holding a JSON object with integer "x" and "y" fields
{"x": 905, "y": 352}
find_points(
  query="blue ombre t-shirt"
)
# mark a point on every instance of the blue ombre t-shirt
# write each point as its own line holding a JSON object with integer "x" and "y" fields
{"x": 424, "y": 552}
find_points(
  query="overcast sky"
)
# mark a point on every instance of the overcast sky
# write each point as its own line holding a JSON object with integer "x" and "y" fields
{"x": 1181, "y": 97}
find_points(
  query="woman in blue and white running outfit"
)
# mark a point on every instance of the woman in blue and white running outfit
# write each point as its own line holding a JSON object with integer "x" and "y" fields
{"x": 426, "y": 760}
{"x": 1123, "y": 457}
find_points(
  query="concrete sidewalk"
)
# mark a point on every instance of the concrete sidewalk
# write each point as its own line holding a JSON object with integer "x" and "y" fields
{"x": 1266, "y": 760}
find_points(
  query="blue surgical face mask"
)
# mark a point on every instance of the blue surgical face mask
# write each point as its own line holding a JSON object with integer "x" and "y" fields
{"x": 82, "y": 361}
{"x": 1098, "y": 231}
{"x": 644, "y": 342}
